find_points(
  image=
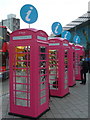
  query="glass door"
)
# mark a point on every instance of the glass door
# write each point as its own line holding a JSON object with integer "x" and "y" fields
{"x": 76, "y": 64}
{"x": 21, "y": 76}
{"x": 43, "y": 74}
{"x": 53, "y": 69}
{"x": 66, "y": 69}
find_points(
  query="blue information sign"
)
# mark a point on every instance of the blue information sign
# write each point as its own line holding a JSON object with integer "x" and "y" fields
{"x": 56, "y": 28}
{"x": 66, "y": 35}
{"x": 29, "y": 13}
{"x": 76, "y": 39}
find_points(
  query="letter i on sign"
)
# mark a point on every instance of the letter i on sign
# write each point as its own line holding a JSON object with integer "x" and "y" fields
{"x": 28, "y": 14}
{"x": 66, "y": 35}
{"x": 56, "y": 29}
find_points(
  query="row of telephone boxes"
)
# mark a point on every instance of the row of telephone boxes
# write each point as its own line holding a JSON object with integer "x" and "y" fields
{"x": 39, "y": 68}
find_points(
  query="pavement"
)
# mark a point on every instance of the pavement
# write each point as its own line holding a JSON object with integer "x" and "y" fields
{"x": 74, "y": 105}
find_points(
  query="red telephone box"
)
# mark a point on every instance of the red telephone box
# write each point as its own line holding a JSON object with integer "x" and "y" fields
{"x": 29, "y": 91}
{"x": 58, "y": 67}
{"x": 71, "y": 65}
{"x": 79, "y": 52}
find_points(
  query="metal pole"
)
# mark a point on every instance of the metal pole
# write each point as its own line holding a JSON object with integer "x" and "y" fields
{"x": 29, "y": 25}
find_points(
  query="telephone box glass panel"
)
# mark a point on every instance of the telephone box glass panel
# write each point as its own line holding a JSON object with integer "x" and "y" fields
{"x": 21, "y": 76}
{"x": 43, "y": 74}
{"x": 53, "y": 69}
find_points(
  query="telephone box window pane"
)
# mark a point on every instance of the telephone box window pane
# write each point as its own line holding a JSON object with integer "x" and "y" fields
{"x": 42, "y": 78}
{"x": 42, "y": 49}
{"x": 21, "y": 95}
{"x": 52, "y": 54}
{"x": 76, "y": 71}
{"x": 22, "y": 56}
{"x": 28, "y": 48}
{"x": 42, "y": 86}
{"x": 28, "y": 72}
{"x": 53, "y": 62}
{"x": 21, "y": 102}
{"x": 42, "y": 57}
{"x": 21, "y": 49}
{"x": 43, "y": 93}
{"x": 42, "y": 71}
{"x": 28, "y": 103}
{"x": 21, "y": 80}
{"x": 43, "y": 100}
{"x": 53, "y": 67}
{"x": 53, "y": 72}
{"x": 21, "y": 87}
{"x": 28, "y": 64}
{"x": 19, "y": 57}
{"x": 65, "y": 86}
{"x": 54, "y": 85}
{"x": 66, "y": 81}
{"x": 66, "y": 51}
{"x": 28, "y": 88}
{"x": 66, "y": 75}
{"x": 21, "y": 72}
{"x": 26, "y": 56}
{"x": 52, "y": 77}
{"x": 51, "y": 81}
{"x": 29, "y": 96}
{"x": 66, "y": 61}
{"x": 21, "y": 64}
{"x": 42, "y": 64}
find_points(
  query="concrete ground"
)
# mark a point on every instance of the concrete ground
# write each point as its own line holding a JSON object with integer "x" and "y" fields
{"x": 74, "y": 105}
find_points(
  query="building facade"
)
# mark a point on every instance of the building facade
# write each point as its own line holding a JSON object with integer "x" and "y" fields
{"x": 11, "y": 22}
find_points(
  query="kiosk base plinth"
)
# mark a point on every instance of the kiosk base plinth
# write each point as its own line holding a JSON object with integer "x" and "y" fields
{"x": 30, "y": 117}
{"x": 60, "y": 96}
{"x": 78, "y": 80}
{"x": 73, "y": 85}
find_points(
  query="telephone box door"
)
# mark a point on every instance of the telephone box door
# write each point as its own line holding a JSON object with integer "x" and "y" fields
{"x": 53, "y": 70}
{"x": 20, "y": 75}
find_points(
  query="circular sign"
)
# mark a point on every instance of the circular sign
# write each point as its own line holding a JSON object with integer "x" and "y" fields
{"x": 66, "y": 35}
{"x": 76, "y": 39}
{"x": 56, "y": 28}
{"x": 29, "y": 13}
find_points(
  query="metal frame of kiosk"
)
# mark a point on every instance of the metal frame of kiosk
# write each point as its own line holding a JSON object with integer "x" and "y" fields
{"x": 29, "y": 91}
{"x": 71, "y": 65}
{"x": 58, "y": 67}
{"x": 79, "y": 52}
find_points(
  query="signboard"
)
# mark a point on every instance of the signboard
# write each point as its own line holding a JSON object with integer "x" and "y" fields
{"x": 54, "y": 44}
{"x": 41, "y": 38}
{"x": 22, "y": 37}
{"x": 56, "y": 28}
{"x": 29, "y": 13}
{"x": 65, "y": 44}
{"x": 76, "y": 39}
{"x": 66, "y": 35}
